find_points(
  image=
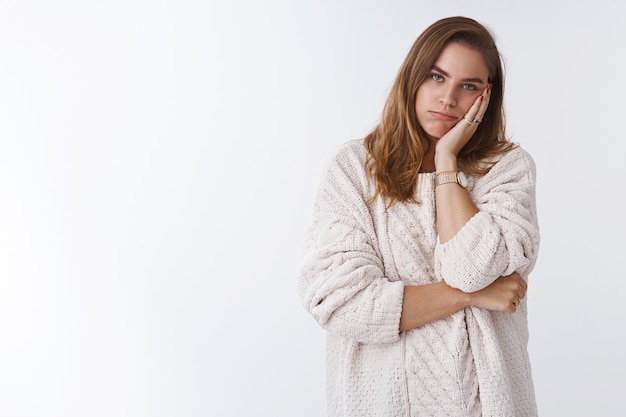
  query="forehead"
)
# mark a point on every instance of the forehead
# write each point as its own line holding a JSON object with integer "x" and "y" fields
{"x": 461, "y": 61}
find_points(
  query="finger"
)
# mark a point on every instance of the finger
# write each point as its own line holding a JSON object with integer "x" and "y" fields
{"x": 524, "y": 284}
{"x": 470, "y": 116}
{"x": 484, "y": 103}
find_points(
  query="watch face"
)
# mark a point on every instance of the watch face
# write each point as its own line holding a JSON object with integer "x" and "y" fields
{"x": 462, "y": 179}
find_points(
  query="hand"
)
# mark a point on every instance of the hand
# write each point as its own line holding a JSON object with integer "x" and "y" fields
{"x": 450, "y": 144}
{"x": 503, "y": 294}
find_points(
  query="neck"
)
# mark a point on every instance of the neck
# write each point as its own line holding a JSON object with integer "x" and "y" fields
{"x": 428, "y": 163}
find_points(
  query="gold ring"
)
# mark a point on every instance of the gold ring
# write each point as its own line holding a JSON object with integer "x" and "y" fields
{"x": 468, "y": 121}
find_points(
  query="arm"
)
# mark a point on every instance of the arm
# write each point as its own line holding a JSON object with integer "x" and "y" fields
{"x": 503, "y": 236}
{"x": 427, "y": 303}
{"x": 453, "y": 203}
{"x": 493, "y": 230}
{"x": 342, "y": 280}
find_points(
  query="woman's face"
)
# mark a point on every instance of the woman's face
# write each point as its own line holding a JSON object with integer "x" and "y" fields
{"x": 458, "y": 77}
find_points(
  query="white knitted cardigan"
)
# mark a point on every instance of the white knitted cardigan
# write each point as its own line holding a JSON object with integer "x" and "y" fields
{"x": 357, "y": 259}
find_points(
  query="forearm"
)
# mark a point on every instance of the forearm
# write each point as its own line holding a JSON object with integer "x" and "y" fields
{"x": 452, "y": 202}
{"x": 499, "y": 238}
{"x": 427, "y": 303}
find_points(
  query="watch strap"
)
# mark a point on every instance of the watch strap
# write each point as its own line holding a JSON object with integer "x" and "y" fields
{"x": 447, "y": 177}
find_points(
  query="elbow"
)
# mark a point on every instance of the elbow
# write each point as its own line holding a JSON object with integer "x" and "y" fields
{"x": 314, "y": 304}
{"x": 320, "y": 310}
{"x": 370, "y": 314}
{"x": 473, "y": 277}
{"x": 469, "y": 284}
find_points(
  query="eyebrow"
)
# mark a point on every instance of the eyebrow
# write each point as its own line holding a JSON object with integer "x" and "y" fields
{"x": 471, "y": 80}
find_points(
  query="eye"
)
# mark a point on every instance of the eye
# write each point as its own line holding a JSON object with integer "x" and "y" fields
{"x": 469, "y": 87}
{"x": 436, "y": 77}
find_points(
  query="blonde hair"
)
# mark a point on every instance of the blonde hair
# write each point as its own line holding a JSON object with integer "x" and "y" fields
{"x": 396, "y": 145}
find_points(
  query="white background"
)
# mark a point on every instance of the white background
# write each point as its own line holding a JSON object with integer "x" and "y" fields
{"x": 158, "y": 162}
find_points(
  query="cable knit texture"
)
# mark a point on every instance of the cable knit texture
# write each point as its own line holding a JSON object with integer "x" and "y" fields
{"x": 357, "y": 259}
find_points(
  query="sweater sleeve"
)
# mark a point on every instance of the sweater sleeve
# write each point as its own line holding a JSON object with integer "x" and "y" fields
{"x": 503, "y": 237}
{"x": 342, "y": 282}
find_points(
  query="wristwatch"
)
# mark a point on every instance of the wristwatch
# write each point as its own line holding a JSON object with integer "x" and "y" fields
{"x": 447, "y": 177}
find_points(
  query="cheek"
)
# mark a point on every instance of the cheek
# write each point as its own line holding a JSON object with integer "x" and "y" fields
{"x": 421, "y": 99}
{"x": 468, "y": 101}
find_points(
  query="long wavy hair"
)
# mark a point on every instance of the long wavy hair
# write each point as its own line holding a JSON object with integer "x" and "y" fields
{"x": 397, "y": 145}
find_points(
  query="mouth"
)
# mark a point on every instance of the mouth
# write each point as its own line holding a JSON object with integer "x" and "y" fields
{"x": 446, "y": 117}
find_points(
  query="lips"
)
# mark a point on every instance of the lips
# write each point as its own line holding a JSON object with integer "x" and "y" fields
{"x": 446, "y": 117}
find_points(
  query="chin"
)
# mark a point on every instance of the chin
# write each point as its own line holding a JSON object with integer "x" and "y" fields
{"x": 437, "y": 129}
{"x": 436, "y": 134}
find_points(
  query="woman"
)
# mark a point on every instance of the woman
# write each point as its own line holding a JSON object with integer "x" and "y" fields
{"x": 422, "y": 239}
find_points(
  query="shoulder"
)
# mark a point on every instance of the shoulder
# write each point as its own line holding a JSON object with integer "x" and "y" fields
{"x": 344, "y": 170}
{"x": 519, "y": 155}
{"x": 349, "y": 153}
{"x": 348, "y": 160}
{"x": 517, "y": 160}
{"x": 513, "y": 170}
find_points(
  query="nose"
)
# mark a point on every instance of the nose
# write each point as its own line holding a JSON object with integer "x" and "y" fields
{"x": 448, "y": 96}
